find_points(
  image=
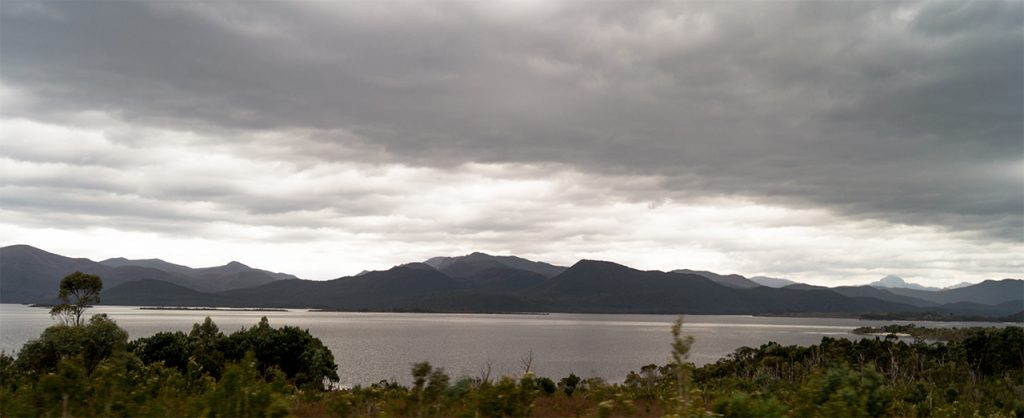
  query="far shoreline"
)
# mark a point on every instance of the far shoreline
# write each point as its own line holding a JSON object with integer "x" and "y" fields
{"x": 207, "y": 308}
{"x": 873, "y": 316}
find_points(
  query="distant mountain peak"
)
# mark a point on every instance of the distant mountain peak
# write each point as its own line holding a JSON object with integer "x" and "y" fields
{"x": 772, "y": 281}
{"x": 587, "y": 263}
{"x": 893, "y": 281}
{"x": 232, "y": 268}
{"x": 414, "y": 266}
{"x": 118, "y": 261}
{"x": 479, "y": 261}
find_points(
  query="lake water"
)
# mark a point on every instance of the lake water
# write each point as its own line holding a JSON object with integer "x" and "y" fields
{"x": 369, "y": 347}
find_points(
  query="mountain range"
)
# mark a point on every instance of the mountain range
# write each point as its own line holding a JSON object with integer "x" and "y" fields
{"x": 28, "y": 274}
{"x": 897, "y": 282}
{"x": 480, "y": 282}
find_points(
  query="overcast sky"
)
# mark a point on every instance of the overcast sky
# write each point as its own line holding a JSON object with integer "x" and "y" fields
{"x": 831, "y": 142}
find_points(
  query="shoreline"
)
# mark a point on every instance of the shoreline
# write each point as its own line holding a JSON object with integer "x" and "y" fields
{"x": 872, "y": 316}
{"x": 203, "y": 308}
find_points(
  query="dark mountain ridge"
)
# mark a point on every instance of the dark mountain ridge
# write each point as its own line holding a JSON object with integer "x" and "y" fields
{"x": 478, "y": 283}
{"x": 31, "y": 275}
{"x": 868, "y": 292}
{"x": 731, "y": 280}
{"x": 988, "y": 292}
{"x": 771, "y": 281}
{"x": 475, "y": 262}
{"x": 590, "y": 285}
{"x": 393, "y": 288}
{"x": 149, "y": 292}
{"x": 153, "y": 263}
{"x": 587, "y": 286}
{"x": 28, "y": 274}
{"x": 232, "y": 275}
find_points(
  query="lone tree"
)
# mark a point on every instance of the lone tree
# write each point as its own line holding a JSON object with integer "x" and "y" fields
{"x": 78, "y": 291}
{"x": 680, "y": 354}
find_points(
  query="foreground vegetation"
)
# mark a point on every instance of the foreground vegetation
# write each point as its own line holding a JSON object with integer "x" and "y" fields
{"x": 92, "y": 369}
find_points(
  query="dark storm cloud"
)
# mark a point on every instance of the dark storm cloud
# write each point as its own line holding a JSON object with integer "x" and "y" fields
{"x": 909, "y": 112}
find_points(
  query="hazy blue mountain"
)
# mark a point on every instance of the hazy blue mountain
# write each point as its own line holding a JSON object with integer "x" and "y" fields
{"x": 772, "y": 281}
{"x": 988, "y": 292}
{"x": 591, "y": 286}
{"x": 159, "y": 293}
{"x": 868, "y": 292}
{"x": 233, "y": 275}
{"x": 731, "y": 280}
{"x": 978, "y": 309}
{"x": 803, "y": 286}
{"x": 153, "y": 263}
{"x": 891, "y": 281}
{"x": 468, "y": 264}
{"x": 914, "y": 297}
{"x": 235, "y": 267}
{"x": 30, "y": 275}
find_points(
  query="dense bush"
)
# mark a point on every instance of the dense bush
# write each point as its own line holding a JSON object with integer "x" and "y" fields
{"x": 92, "y": 370}
{"x": 100, "y": 339}
{"x": 302, "y": 358}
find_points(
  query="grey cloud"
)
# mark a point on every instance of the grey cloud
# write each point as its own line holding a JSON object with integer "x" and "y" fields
{"x": 74, "y": 209}
{"x": 110, "y": 210}
{"x": 951, "y": 17}
{"x": 880, "y": 109}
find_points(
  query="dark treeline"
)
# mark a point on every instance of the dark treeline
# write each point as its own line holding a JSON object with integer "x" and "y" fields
{"x": 979, "y": 374}
{"x": 921, "y": 333}
{"x": 942, "y": 316}
{"x": 93, "y": 370}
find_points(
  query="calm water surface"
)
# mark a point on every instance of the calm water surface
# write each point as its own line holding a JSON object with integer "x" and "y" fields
{"x": 369, "y": 347}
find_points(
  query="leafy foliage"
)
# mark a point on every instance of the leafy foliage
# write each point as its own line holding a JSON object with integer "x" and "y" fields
{"x": 78, "y": 291}
{"x": 98, "y": 340}
{"x": 302, "y": 358}
{"x": 92, "y": 370}
{"x": 680, "y": 354}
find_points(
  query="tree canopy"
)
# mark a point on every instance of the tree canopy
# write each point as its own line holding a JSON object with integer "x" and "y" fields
{"x": 78, "y": 291}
